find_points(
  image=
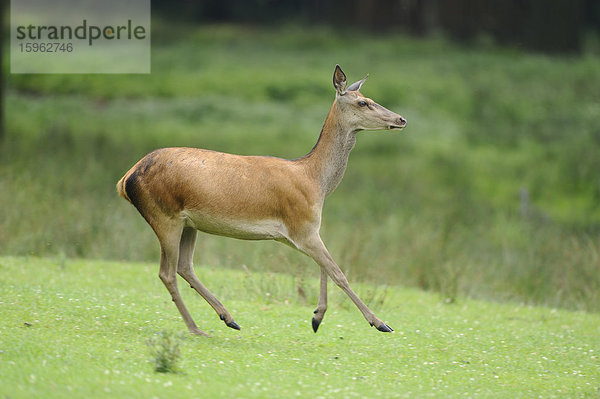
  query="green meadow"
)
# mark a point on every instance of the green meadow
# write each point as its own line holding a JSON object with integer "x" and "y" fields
{"x": 474, "y": 232}
{"x": 81, "y": 329}
{"x": 491, "y": 191}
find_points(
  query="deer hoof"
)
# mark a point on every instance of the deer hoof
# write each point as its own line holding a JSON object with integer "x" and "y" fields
{"x": 234, "y": 325}
{"x": 384, "y": 328}
{"x": 230, "y": 324}
{"x": 315, "y": 324}
{"x": 198, "y": 332}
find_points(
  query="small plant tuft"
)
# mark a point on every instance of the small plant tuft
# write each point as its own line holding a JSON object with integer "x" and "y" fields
{"x": 165, "y": 352}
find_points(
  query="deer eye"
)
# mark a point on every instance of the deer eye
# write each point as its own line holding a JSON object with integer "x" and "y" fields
{"x": 362, "y": 103}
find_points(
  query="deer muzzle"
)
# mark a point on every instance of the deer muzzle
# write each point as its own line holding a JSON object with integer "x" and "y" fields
{"x": 398, "y": 123}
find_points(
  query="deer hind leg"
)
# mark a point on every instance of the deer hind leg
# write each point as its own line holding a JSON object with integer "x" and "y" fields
{"x": 314, "y": 247}
{"x": 322, "y": 305}
{"x": 185, "y": 268}
{"x": 169, "y": 238}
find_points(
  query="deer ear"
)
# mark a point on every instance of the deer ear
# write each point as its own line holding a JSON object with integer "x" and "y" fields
{"x": 339, "y": 80}
{"x": 357, "y": 85}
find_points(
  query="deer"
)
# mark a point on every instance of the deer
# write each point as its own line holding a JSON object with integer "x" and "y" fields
{"x": 180, "y": 191}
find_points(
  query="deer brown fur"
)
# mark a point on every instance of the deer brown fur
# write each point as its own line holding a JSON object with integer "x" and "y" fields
{"x": 181, "y": 190}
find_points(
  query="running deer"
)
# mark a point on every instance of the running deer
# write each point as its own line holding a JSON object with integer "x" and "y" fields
{"x": 181, "y": 190}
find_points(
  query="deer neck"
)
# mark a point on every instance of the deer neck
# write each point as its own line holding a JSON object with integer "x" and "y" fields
{"x": 328, "y": 159}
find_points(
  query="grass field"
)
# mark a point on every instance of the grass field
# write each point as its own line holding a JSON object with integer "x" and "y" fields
{"x": 491, "y": 192}
{"x": 81, "y": 329}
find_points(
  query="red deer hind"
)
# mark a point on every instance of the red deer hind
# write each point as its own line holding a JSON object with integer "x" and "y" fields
{"x": 181, "y": 190}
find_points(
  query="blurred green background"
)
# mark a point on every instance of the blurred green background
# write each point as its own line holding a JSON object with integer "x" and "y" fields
{"x": 492, "y": 191}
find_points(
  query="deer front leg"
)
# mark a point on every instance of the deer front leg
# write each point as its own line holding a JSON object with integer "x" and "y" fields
{"x": 322, "y": 305}
{"x": 185, "y": 268}
{"x": 315, "y": 248}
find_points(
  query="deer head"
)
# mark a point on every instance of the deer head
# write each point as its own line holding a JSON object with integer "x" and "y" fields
{"x": 360, "y": 112}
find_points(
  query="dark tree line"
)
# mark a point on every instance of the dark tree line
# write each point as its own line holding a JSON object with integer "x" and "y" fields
{"x": 3, "y": 11}
{"x": 543, "y": 25}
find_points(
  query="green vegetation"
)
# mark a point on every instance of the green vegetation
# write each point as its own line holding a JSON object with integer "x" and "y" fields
{"x": 491, "y": 192}
{"x": 80, "y": 329}
{"x": 165, "y": 352}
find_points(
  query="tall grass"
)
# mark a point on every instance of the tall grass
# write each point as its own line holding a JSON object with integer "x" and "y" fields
{"x": 491, "y": 191}
{"x": 165, "y": 352}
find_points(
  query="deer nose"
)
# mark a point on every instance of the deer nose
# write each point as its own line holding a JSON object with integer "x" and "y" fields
{"x": 401, "y": 122}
